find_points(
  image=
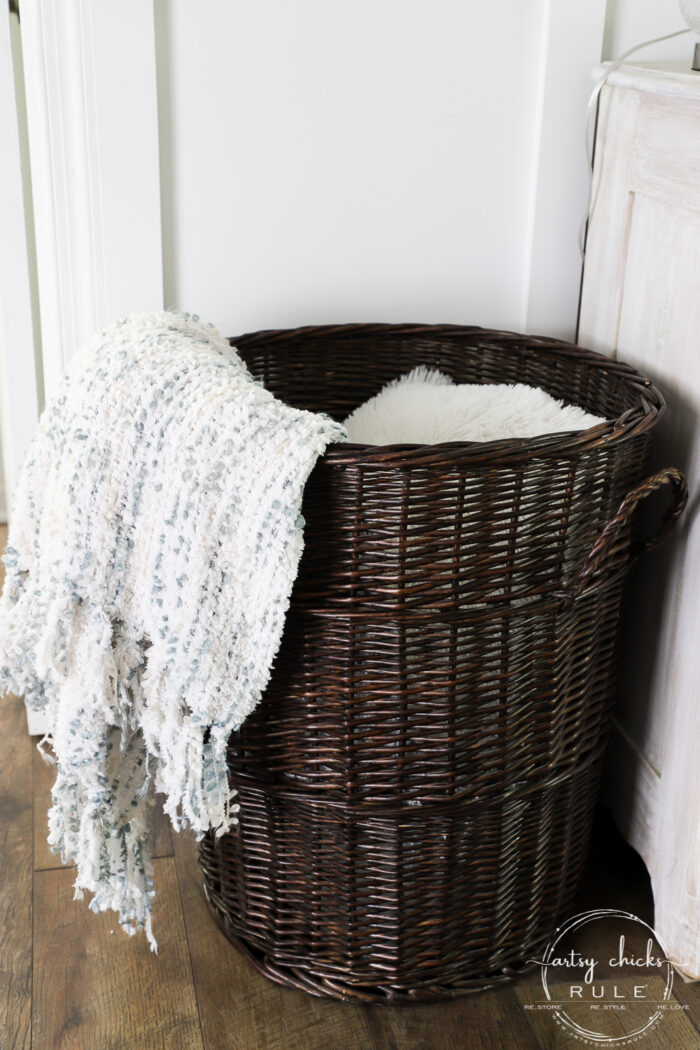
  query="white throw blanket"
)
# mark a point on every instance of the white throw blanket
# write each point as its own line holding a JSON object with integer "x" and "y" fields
{"x": 155, "y": 538}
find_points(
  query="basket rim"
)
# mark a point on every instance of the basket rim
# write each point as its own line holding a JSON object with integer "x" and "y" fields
{"x": 629, "y": 424}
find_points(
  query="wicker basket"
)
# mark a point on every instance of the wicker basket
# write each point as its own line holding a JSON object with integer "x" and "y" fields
{"x": 418, "y": 783}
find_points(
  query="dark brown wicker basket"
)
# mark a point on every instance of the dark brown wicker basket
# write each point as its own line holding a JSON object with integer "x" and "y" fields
{"x": 417, "y": 785}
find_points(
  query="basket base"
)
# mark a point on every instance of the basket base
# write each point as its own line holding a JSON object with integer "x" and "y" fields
{"x": 324, "y": 987}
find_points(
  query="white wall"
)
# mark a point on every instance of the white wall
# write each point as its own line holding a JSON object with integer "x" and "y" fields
{"x": 373, "y": 160}
{"x": 630, "y": 22}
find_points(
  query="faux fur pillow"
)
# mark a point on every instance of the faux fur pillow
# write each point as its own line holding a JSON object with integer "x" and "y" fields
{"x": 424, "y": 407}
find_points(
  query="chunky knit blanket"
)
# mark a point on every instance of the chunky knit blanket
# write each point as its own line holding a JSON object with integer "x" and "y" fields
{"x": 155, "y": 537}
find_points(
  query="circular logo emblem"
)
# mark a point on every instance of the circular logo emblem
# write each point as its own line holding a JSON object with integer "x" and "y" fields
{"x": 606, "y": 977}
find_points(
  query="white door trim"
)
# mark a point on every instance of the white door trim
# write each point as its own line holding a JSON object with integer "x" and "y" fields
{"x": 90, "y": 75}
{"x": 572, "y": 41}
{"x": 18, "y": 372}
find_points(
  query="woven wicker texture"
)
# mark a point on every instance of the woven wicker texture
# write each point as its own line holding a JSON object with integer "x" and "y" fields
{"x": 417, "y": 786}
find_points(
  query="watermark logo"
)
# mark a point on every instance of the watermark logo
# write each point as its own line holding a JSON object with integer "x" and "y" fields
{"x": 606, "y": 978}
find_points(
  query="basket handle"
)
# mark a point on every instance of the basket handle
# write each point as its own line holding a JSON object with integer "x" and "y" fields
{"x": 667, "y": 476}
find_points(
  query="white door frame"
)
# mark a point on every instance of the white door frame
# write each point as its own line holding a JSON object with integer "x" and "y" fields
{"x": 572, "y": 43}
{"x": 19, "y": 387}
{"x": 90, "y": 76}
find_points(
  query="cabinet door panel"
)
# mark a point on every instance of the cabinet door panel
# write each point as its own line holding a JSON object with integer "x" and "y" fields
{"x": 665, "y": 159}
{"x": 658, "y": 329}
{"x": 641, "y": 299}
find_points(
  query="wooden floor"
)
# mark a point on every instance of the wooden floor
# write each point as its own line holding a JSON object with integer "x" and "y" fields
{"x": 72, "y": 979}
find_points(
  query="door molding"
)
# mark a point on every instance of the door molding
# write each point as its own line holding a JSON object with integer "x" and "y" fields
{"x": 90, "y": 77}
{"x": 19, "y": 385}
{"x": 572, "y": 41}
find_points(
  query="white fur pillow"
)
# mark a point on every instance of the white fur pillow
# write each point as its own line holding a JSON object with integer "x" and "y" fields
{"x": 424, "y": 407}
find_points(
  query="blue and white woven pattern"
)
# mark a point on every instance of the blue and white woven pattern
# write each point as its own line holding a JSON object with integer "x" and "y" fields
{"x": 155, "y": 538}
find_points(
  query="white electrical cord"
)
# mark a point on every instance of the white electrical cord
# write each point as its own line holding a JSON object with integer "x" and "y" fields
{"x": 591, "y": 109}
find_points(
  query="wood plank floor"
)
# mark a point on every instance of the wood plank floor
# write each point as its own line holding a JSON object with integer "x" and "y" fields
{"x": 71, "y": 980}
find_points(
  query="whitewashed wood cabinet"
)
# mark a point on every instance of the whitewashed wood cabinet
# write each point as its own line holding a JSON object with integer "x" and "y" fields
{"x": 641, "y": 301}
